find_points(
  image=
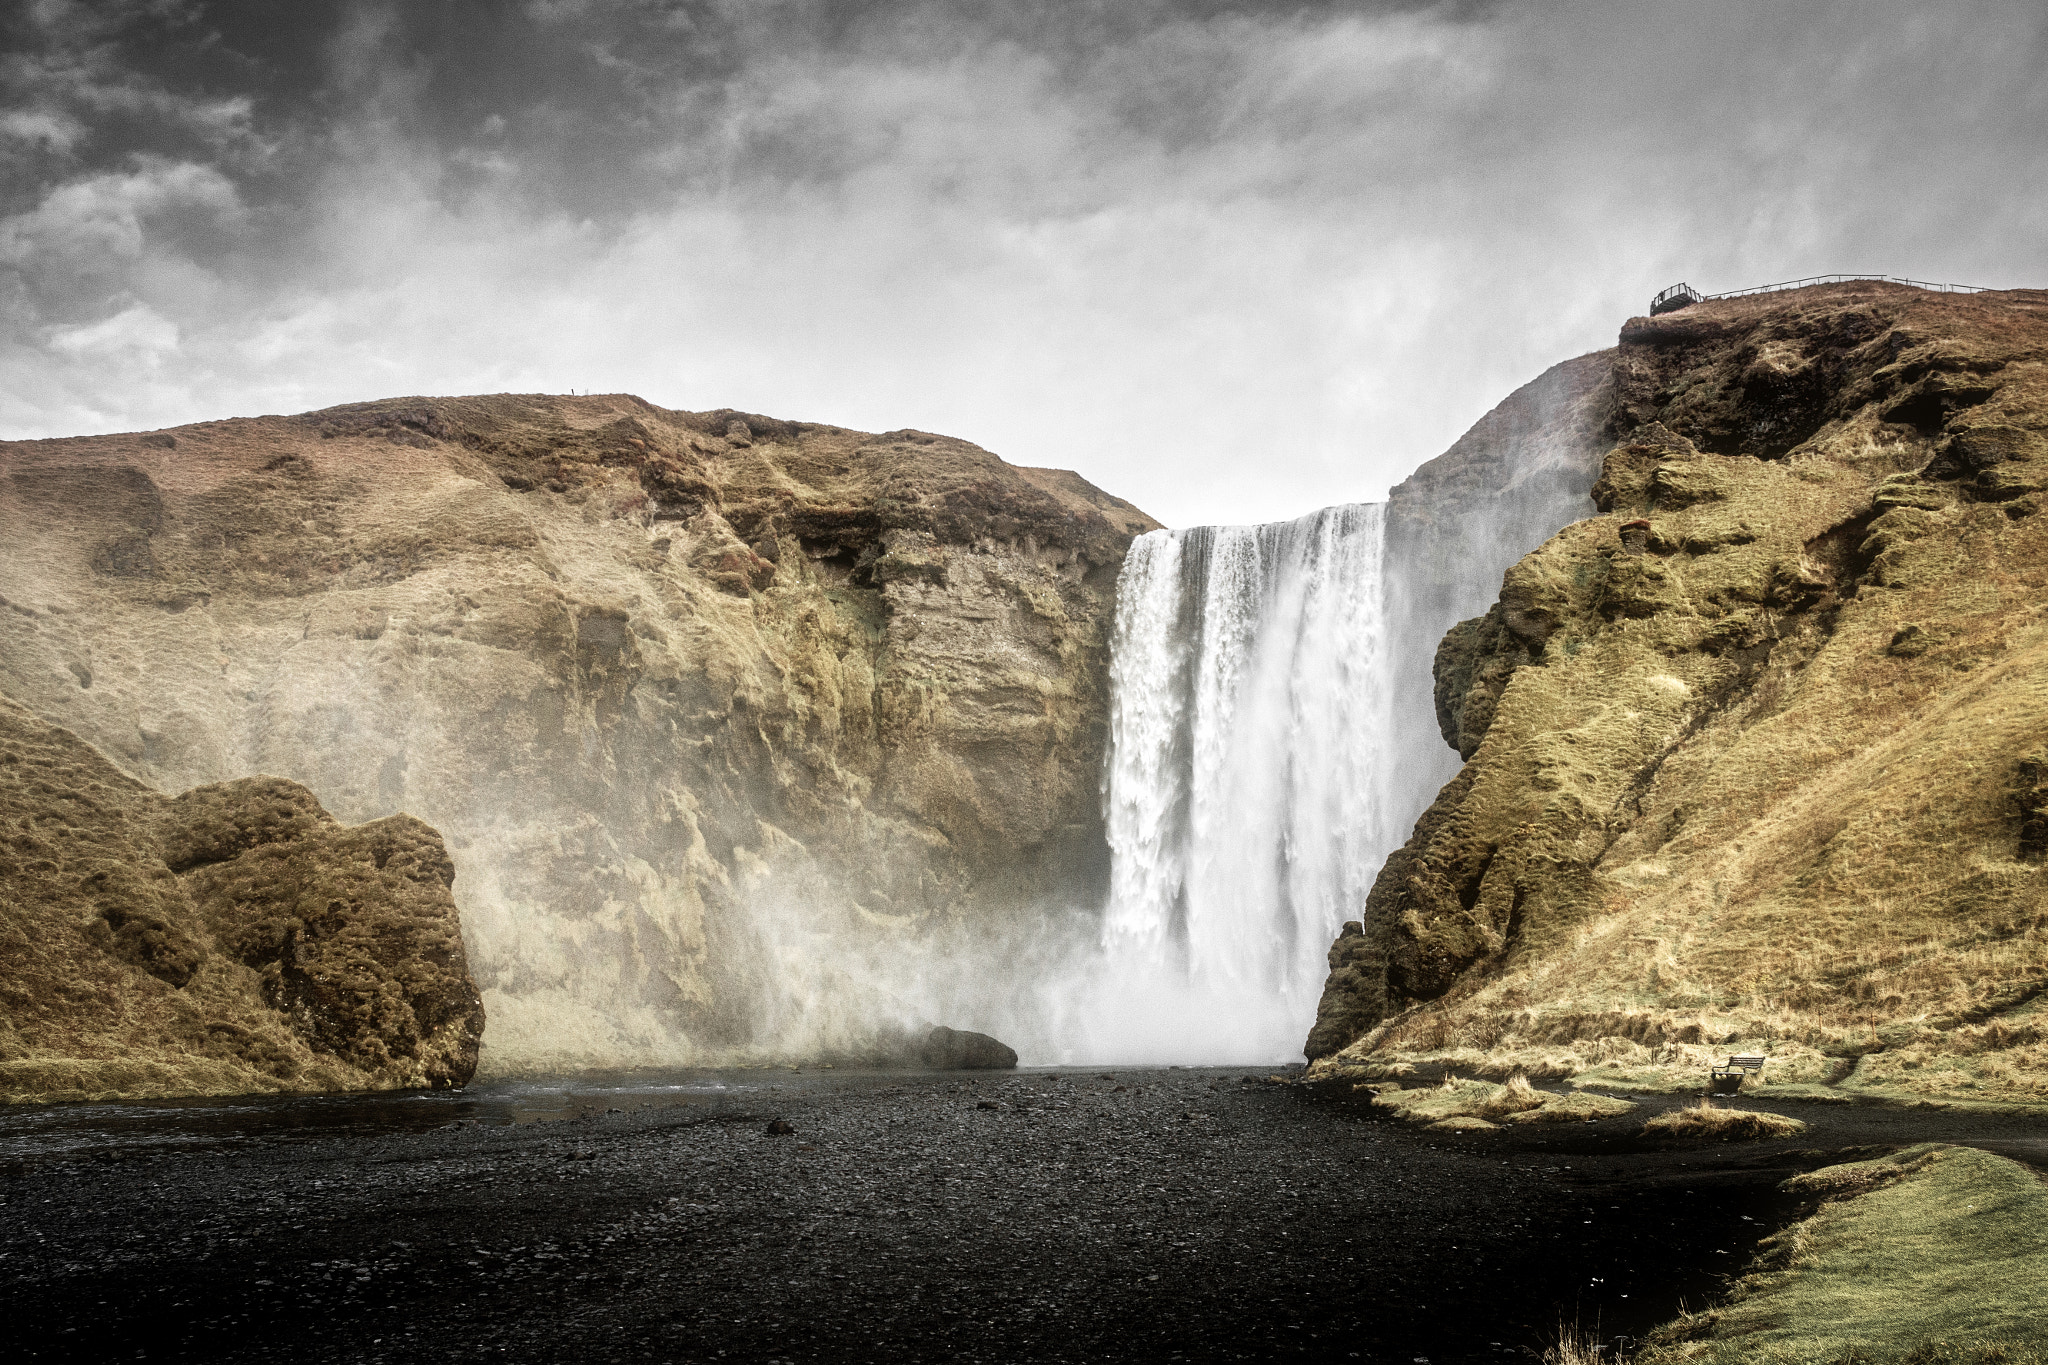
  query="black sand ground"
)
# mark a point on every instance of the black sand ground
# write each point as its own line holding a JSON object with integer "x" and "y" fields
{"x": 1035, "y": 1216}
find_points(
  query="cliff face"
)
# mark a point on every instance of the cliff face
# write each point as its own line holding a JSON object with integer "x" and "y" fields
{"x": 233, "y": 939}
{"x": 1757, "y": 751}
{"x": 1459, "y": 522}
{"x": 728, "y": 720}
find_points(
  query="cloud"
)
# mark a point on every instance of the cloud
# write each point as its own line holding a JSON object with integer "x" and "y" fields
{"x": 138, "y": 333}
{"x": 47, "y": 128}
{"x": 1230, "y": 261}
{"x": 105, "y": 218}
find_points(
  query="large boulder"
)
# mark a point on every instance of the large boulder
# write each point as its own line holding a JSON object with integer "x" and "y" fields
{"x": 233, "y": 939}
{"x": 952, "y": 1049}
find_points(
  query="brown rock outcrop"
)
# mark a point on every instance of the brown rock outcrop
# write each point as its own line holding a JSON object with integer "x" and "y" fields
{"x": 729, "y": 721}
{"x": 1759, "y": 767}
{"x": 232, "y": 939}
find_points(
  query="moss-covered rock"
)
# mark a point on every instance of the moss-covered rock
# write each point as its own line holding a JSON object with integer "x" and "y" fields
{"x": 233, "y": 939}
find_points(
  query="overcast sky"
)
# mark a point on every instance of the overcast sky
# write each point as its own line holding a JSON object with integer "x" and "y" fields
{"x": 1231, "y": 261}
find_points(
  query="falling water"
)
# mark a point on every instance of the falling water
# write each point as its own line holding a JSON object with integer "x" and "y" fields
{"x": 1247, "y": 788}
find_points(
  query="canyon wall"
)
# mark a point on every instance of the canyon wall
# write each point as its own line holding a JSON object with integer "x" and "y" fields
{"x": 748, "y": 738}
{"x": 1756, "y": 754}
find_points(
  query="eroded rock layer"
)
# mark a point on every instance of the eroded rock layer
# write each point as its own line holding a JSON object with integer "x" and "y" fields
{"x": 235, "y": 938}
{"x": 727, "y": 720}
{"x": 1755, "y": 753}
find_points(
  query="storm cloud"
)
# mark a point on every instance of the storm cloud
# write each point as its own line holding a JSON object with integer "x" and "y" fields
{"x": 1231, "y": 261}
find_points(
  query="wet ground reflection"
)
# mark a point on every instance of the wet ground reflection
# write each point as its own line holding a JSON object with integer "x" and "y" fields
{"x": 46, "y": 1132}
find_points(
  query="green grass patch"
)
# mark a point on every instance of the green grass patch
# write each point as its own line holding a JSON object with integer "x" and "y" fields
{"x": 1646, "y": 1080}
{"x": 1515, "y": 1102}
{"x": 1709, "y": 1120}
{"x": 1574, "y": 1108}
{"x": 1937, "y": 1254}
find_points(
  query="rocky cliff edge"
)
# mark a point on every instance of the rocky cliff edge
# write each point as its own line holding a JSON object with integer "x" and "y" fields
{"x": 1755, "y": 755}
{"x": 741, "y": 731}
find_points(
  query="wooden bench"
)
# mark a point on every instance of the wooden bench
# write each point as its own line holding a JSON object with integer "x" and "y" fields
{"x": 1728, "y": 1079}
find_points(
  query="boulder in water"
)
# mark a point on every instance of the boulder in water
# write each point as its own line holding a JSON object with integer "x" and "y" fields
{"x": 951, "y": 1049}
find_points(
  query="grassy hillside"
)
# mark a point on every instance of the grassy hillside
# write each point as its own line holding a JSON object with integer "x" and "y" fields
{"x": 1934, "y": 1254}
{"x": 1759, "y": 755}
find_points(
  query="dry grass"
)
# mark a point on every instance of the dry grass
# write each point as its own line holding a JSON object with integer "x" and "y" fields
{"x": 1453, "y": 1098}
{"x": 1463, "y": 1123}
{"x": 1822, "y": 848}
{"x": 1576, "y": 1108}
{"x": 1708, "y": 1120}
{"x": 1517, "y": 1096}
{"x": 1936, "y": 1258}
{"x": 1577, "y": 1346}
{"x": 1474, "y": 1104}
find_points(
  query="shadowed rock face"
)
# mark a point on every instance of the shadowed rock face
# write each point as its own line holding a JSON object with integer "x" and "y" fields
{"x": 235, "y": 938}
{"x": 726, "y": 719}
{"x": 1758, "y": 748}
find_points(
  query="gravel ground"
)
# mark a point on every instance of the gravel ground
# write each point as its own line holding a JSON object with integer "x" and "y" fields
{"x": 1029, "y": 1216}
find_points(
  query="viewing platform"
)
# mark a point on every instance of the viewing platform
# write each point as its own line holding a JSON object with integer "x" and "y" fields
{"x": 1685, "y": 296}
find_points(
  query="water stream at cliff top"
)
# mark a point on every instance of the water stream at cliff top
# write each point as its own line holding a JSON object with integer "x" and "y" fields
{"x": 1248, "y": 792}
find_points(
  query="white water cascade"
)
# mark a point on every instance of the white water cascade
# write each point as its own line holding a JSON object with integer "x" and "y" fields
{"x": 1247, "y": 790}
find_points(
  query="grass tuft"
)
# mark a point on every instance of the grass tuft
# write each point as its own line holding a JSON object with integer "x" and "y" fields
{"x": 1707, "y": 1120}
{"x": 1475, "y": 1103}
{"x": 1579, "y": 1107}
{"x": 1576, "y": 1346}
{"x": 1517, "y": 1096}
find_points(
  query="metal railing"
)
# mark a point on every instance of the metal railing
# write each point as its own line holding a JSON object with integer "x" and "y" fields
{"x": 1676, "y": 297}
{"x": 1684, "y": 295}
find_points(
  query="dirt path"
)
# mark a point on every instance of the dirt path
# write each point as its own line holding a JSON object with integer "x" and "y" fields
{"x": 1040, "y": 1216}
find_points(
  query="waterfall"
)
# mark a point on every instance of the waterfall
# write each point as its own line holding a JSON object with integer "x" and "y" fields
{"x": 1247, "y": 791}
